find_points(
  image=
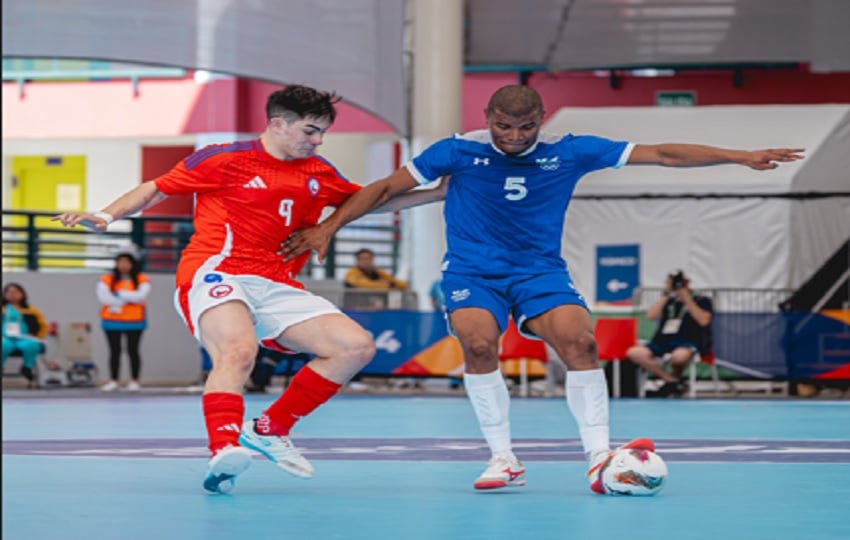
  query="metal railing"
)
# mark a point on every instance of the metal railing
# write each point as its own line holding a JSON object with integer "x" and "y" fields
{"x": 27, "y": 70}
{"x": 748, "y": 328}
{"x": 32, "y": 242}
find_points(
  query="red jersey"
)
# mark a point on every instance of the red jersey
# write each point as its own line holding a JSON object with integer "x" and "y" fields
{"x": 247, "y": 202}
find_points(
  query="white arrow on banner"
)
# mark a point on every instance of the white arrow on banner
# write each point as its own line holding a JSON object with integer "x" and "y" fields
{"x": 615, "y": 285}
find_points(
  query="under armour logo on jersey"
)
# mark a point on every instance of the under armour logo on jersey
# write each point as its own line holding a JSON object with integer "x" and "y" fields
{"x": 229, "y": 427}
{"x": 481, "y": 161}
{"x": 460, "y": 295}
{"x": 256, "y": 183}
{"x": 550, "y": 164}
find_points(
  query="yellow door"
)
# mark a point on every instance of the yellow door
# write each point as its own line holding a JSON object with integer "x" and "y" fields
{"x": 48, "y": 184}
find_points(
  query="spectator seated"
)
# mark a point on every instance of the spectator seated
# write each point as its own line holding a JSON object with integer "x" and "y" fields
{"x": 697, "y": 358}
{"x": 23, "y": 371}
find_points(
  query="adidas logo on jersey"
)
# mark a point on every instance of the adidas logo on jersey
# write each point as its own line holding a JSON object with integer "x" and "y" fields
{"x": 256, "y": 183}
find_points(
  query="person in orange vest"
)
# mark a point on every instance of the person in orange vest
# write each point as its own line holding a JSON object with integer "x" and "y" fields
{"x": 122, "y": 294}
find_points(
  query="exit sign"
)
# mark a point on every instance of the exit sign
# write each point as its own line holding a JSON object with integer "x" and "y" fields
{"x": 676, "y": 98}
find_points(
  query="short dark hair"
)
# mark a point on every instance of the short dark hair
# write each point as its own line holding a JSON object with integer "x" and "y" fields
{"x": 515, "y": 100}
{"x": 297, "y": 101}
{"x": 361, "y": 251}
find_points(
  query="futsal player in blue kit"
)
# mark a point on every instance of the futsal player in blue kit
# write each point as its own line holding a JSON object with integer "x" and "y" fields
{"x": 505, "y": 208}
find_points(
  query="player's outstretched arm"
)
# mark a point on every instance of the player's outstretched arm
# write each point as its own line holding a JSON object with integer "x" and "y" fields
{"x": 695, "y": 155}
{"x": 416, "y": 197}
{"x": 135, "y": 200}
{"x": 364, "y": 201}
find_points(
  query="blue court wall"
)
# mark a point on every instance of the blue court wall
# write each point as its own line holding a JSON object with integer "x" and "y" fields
{"x": 779, "y": 346}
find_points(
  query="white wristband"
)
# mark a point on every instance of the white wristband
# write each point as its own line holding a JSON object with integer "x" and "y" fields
{"x": 104, "y": 216}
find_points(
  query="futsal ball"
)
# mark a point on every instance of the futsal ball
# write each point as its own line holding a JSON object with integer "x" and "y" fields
{"x": 632, "y": 471}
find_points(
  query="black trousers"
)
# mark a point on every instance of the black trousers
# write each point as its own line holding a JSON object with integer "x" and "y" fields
{"x": 134, "y": 337}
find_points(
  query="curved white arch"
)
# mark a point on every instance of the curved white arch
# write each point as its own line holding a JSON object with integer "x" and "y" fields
{"x": 353, "y": 47}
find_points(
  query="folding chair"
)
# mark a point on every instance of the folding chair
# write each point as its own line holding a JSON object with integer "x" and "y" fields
{"x": 17, "y": 353}
{"x": 45, "y": 372}
{"x": 614, "y": 336}
{"x": 692, "y": 373}
{"x": 516, "y": 347}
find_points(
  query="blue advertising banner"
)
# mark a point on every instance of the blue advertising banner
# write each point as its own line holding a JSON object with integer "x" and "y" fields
{"x": 398, "y": 335}
{"x": 799, "y": 346}
{"x": 617, "y": 272}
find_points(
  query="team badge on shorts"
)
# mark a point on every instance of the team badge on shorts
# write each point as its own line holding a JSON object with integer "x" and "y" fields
{"x": 220, "y": 291}
{"x": 313, "y": 186}
{"x": 460, "y": 295}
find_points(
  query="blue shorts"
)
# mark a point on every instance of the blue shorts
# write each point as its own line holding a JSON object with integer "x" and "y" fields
{"x": 523, "y": 296}
{"x": 660, "y": 349}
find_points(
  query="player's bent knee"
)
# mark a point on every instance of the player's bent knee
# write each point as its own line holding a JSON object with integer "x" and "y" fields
{"x": 481, "y": 350}
{"x": 239, "y": 357}
{"x": 579, "y": 352}
{"x": 356, "y": 351}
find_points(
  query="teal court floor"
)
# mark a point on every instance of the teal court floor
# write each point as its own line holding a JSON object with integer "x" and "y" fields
{"x": 130, "y": 467}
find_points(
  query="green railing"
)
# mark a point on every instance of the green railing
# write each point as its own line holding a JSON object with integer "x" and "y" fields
{"x": 57, "y": 69}
{"x": 31, "y": 241}
{"x": 27, "y": 70}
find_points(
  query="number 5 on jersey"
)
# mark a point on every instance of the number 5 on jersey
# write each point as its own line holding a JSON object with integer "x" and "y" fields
{"x": 515, "y": 186}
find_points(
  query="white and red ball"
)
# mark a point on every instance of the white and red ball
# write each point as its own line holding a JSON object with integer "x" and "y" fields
{"x": 633, "y": 471}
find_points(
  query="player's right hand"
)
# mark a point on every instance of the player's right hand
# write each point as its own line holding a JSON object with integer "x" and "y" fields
{"x": 89, "y": 221}
{"x": 314, "y": 238}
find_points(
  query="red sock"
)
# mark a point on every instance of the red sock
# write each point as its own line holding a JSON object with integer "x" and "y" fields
{"x": 307, "y": 391}
{"x": 223, "y": 413}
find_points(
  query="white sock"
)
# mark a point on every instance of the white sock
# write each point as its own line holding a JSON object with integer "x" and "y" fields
{"x": 587, "y": 398}
{"x": 491, "y": 402}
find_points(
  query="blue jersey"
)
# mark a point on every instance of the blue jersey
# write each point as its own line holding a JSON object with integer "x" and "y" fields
{"x": 505, "y": 213}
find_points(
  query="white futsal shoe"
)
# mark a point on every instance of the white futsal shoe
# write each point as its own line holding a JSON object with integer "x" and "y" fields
{"x": 279, "y": 450}
{"x": 225, "y": 466}
{"x": 502, "y": 471}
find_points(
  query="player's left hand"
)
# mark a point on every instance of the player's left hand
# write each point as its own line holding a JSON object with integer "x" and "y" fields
{"x": 311, "y": 239}
{"x": 89, "y": 221}
{"x": 761, "y": 160}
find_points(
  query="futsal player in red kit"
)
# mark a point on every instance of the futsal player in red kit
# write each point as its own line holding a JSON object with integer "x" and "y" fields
{"x": 234, "y": 290}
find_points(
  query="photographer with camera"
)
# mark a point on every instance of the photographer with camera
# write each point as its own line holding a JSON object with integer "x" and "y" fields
{"x": 684, "y": 328}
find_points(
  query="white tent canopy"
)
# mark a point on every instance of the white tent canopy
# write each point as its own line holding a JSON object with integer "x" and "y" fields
{"x": 727, "y": 225}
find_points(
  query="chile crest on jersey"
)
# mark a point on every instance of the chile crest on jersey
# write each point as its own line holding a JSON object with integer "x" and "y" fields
{"x": 313, "y": 186}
